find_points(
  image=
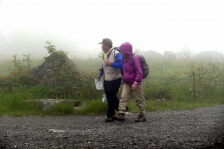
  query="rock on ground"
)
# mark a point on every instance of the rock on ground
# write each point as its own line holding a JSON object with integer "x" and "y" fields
{"x": 174, "y": 129}
{"x": 48, "y": 103}
{"x": 45, "y": 69}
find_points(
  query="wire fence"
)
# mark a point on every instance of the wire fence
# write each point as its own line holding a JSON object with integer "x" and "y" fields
{"x": 159, "y": 71}
{"x": 92, "y": 79}
{"x": 193, "y": 77}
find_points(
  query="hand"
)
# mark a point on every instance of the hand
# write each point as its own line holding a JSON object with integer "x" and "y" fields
{"x": 108, "y": 63}
{"x": 99, "y": 77}
{"x": 134, "y": 86}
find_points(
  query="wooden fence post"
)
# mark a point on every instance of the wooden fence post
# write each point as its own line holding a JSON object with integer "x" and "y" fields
{"x": 194, "y": 89}
{"x": 161, "y": 73}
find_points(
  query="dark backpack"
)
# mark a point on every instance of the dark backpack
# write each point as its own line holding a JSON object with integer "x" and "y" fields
{"x": 144, "y": 65}
{"x": 118, "y": 50}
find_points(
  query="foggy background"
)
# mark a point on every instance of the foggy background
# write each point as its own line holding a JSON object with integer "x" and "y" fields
{"x": 77, "y": 26}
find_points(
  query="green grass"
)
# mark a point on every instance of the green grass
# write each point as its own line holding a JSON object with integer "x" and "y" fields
{"x": 92, "y": 107}
{"x": 11, "y": 105}
{"x": 175, "y": 105}
{"x": 15, "y": 104}
{"x": 179, "y": 95}
{"x": 60, "y": 109}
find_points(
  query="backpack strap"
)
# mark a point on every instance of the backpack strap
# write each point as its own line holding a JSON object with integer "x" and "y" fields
{"x": 115, "y": 54}
{"x": 132, "y": 60}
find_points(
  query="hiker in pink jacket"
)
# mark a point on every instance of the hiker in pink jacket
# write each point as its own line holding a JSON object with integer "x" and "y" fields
{"x": 132, "y": 77}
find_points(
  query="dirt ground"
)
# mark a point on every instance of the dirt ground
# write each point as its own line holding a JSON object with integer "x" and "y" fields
{"x": 197, "y": 128}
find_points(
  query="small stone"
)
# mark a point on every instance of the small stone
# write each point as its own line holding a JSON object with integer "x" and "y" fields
{"x": 55, "y": 130}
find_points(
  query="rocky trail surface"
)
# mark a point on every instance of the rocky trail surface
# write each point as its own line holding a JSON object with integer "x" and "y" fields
{"x": 196, "y": 128}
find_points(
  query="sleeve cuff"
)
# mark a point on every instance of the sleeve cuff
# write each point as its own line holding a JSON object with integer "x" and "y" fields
{"x": 138, "y": 82}
{"x": 112, "y": 64}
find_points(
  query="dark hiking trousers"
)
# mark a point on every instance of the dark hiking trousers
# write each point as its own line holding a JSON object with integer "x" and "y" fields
{"x": 111, "y": 88}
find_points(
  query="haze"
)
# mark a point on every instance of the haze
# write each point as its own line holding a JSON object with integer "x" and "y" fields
{"x": 77, "y": 26}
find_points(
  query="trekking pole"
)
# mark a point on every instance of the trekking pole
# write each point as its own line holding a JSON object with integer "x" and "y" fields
{"x": 161, "y": 73}
{"x": 194, "y": 88}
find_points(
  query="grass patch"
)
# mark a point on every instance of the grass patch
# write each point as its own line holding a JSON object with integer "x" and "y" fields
{"x": 174, "y": 105}
{"x": 61, "y": 109}
{"x": 11, "y": 105}
{"x": 92, "y": 107}
{"x": 162, "y": 79}
{"x": 14, "y": 105}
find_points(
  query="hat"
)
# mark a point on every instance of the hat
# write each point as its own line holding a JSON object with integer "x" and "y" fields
{"x": 107, "y": 41}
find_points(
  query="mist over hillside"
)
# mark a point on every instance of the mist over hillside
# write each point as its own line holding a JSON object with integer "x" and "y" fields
{"x": 33, "y": 42}
{"x": 27, "y": 40}
{"x": 77, "y": 26}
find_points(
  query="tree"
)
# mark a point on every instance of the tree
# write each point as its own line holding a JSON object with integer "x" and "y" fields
{"x": 184, "y": 54}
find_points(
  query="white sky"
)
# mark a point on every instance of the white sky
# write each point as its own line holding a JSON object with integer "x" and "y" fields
{"x": 148, "y": 24}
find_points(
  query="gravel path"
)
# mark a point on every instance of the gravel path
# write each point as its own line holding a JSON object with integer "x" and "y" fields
{"x": 197, "y": 128}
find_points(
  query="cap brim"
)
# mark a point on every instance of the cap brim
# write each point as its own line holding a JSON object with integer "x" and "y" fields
{"x": 100, "y": 43}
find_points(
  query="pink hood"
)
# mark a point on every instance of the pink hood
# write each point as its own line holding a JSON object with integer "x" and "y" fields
{"x": 131, "y": 73}
{"x": 126, "y": 48}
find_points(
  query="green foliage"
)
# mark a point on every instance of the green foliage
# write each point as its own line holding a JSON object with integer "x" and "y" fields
{"x": 158, "y": 93}
{"x": 92, "y": 107}
{"x": 61, "y": 70}
{"x": 100, "y": 56}
{"x": 61, "y": 109}
{"x": 178, "y": 95}
{"x": 14, "y": 104}
{"x": 205, "y": 74}
{"x": 52, "y": 50}
{"x": 21, "y": 71}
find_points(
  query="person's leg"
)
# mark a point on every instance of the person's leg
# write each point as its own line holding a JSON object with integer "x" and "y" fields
{"x": 123, "y": 102}
{"x": 124, "y": 98}
{"x": 117, "y": 101}
{"x": 112, "y": 88}
{"x": 108, "y": 119}
{"x": 140, "y": 101}
{"x": 118, "y": 84}
{"x": 110, "y": 103}
{"x": 105, "y": 87}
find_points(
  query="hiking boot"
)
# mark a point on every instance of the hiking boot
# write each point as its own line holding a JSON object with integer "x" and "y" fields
{"x": 119, "y": 117}
{"x": 141, "y": 118}
{"x": 127, "y": 108}
{"x": 109, "y": 119}
{"x": 114, "y": 117}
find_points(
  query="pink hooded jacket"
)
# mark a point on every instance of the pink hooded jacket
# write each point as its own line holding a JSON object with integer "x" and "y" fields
{"x": 131, "y": 73}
